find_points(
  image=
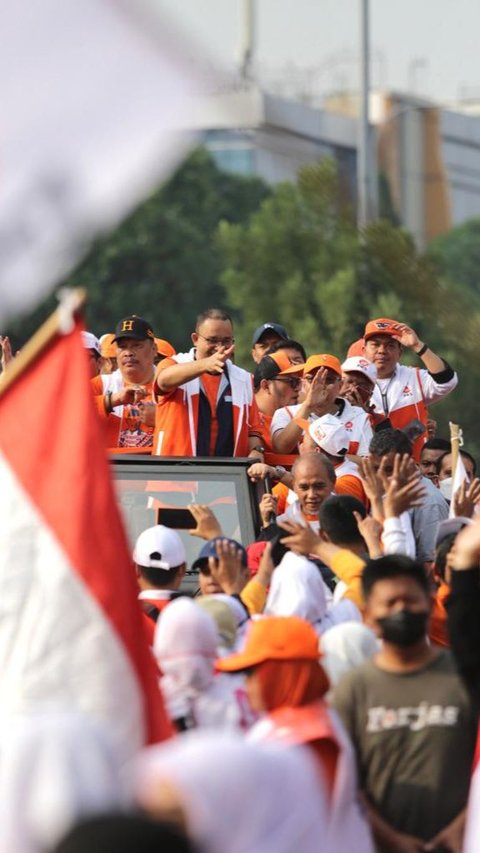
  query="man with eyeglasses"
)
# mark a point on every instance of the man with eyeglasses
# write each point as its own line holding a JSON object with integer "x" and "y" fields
{"x": 403, "y": 393}
{"x": 276, "y": 383}
{"x": 205, "y": 403}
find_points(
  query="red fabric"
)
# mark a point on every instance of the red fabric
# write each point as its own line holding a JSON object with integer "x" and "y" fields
{"x": 254, "y": 555}
{"x": 61, "y": 462}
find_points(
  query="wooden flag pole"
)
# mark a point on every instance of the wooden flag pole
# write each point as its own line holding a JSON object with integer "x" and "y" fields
{"x": 455, "y": 443}
{"x": 42, "y": 338}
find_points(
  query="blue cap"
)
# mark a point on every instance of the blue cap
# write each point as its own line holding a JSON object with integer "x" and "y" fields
{"x": 269, "y": 327}
{"x": 210, "y": 550}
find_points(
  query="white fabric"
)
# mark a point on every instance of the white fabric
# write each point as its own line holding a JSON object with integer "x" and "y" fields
{"x": 354, "y": 419}
{"x": 238, "y": 796}
{"x": 403, "y": 389}
{"x": 56, "y": 643}
{"x": 359, "y": 364}
{"x": 81, "y": 146}
{"x": 471, "y": 841}
{"x": 297, "y": 589}
{"x": 397, "y": 536}
{"x": 346, "y": 646}
{"x": 330, "y": 435}
{"x": 55, "y": 767}
{"x": 458, "y": 480}
{"x": 185, "y": 646}
{"x": 294, "y": 513}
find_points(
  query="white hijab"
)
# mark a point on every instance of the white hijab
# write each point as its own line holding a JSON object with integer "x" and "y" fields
{"x": 185, "y": 646}
{"x": 346, "y": 646}
{"x": 238, "y": 796}
{"x": 55, "y": 768}
{"x": 297, "y": 589}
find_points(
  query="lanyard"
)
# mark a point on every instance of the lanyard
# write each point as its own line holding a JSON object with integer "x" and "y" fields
{"x": 385, "y": 393}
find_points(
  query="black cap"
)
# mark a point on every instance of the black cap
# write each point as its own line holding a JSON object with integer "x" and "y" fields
{"x": 134, "y": 327}
{"x": 275, "y": 365}
{"x": 269, "y": 327}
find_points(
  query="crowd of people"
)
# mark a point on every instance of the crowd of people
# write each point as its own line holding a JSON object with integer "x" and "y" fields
{"x": 323, "y": 683}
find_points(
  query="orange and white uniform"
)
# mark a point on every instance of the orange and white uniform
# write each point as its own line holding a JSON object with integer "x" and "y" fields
{"x": 206, "y": 416}
{"x": 349, "y": 482}
{"x": 354, "y": 419}
{"x": 405, "y": 395}
{"x": 123, "y": 425}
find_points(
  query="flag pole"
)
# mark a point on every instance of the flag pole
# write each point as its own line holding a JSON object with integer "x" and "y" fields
{"x": 53, "y": 326}
{"x": 455, "y": 444}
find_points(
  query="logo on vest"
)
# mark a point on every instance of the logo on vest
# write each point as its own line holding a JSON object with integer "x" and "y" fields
{"x": 407, "y": 392}
{"x": 348, "y": 426}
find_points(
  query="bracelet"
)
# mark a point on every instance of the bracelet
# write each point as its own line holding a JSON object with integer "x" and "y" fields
{"x": 108, "y": 403}
{"x": 423, "y": 350}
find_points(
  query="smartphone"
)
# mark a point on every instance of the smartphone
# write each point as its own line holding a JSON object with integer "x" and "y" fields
{"x": 414, "y": 429}
{"x": 178, "y": 519}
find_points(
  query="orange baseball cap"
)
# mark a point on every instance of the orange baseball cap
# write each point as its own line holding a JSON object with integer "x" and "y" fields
{"x": 382, "y": 326}
{"x": 274, "y": 638}
{"x": 325, "y": 360}
{"x": 284, "y": 364}
{"x": 356, "y": 349}
{"x": 107, "y": 347}
{"x": 164, "y": 348}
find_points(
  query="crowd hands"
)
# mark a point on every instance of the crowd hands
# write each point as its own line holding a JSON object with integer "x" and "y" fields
{"x": 333, "y": 632}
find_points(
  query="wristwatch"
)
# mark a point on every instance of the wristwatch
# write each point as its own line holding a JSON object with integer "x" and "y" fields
{"x": 259, "y": 448}
{"x": 280, "y": 471}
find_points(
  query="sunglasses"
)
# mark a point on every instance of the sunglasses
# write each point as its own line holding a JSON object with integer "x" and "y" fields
{"x": 293, "y": 381}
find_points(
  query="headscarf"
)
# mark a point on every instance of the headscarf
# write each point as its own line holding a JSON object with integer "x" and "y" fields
{"x": 290, "y": 683}
{"x": 237, "y": 796}
{"x": 346, "y": 646}
{"x": 297, "y": 589}
{"x": 185, "y": 646}
{"x": 55, "y": 767}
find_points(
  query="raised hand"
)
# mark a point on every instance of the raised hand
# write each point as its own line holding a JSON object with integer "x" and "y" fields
{"x": 215, "y": 363}
{"x": 300, "y": 539}
{"x": 226, "y": 570}
{"x": 267, "y": 506}
{"x": 371, "y": 531}
{"x": 318, "y": 396}
{"x": 407, "y": 337}
{"x": 207, "y": 523}
{"x": 466, "y": 497}
{"x": 399, "y": 498}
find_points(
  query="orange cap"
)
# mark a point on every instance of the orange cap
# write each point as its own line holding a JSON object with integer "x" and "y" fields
{"x": 356, "y": 349}
{"x": 107, "y": 347}
{"x": 325, "y": 360}
{"x": 382, "y": 326}
{"x": 283, "y": 362}
{"x": 164, "y": 348}
{"x": 274, "y": 638}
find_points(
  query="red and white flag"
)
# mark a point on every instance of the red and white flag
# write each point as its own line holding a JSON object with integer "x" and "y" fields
{"x": 96, "y": 96}
{"x": 71, "y": 630}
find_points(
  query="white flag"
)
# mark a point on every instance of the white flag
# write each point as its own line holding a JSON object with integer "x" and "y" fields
{"x": 94, "y": 97}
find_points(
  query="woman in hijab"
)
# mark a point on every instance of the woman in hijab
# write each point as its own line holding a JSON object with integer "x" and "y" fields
{"x": 55, "y": 767}
{"x": 235, "y": 796}
{"x": 286, "y": 683}
{"x": 185, "y": 647}
{"x": 346, "y": 646}
{"x": 297, "y": 589}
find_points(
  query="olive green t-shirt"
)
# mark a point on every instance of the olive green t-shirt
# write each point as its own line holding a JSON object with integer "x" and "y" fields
{"x": 414, "y": 735}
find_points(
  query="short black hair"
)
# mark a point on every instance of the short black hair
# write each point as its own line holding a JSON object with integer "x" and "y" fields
{"x": 393, "y": 566}
{"x": 390, "y": 441}
{"x": 437, "y": 444}
{"x": 441, "y": 554}
{"x": 338, "y": 521}
{"x": 462, "y": 453}
{"x": 288, "y": 344}
{"x": 212, "y": 314}
{"x": 159, "y": 577}
{"x": 123, "y": 833}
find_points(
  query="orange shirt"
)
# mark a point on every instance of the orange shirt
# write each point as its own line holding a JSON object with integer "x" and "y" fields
{"x": 438, "y": 620}
{"x": 125, "y": 431}
{"x": 265, "y": 421}
{"x": 351, "y": 485}
{"x": 211, "y": 384}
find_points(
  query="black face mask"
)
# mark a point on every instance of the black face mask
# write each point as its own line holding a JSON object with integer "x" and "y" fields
{"x": 404, "y": 628}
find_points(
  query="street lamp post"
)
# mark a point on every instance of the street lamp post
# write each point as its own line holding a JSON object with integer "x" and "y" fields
{"x": 364, "y": 154}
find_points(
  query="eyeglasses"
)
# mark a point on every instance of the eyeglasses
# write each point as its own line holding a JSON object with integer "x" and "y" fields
{"x": 217, "y": 342}
{"x": 331, "y": 378}
{"x": 293, "y": 381}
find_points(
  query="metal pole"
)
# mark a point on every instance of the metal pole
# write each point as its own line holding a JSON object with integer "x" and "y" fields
{"x": 248, "y": 41}
{"x": 363, "y": 144}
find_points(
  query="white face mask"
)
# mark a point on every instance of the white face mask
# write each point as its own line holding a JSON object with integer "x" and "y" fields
{"x": 445, "y": 487}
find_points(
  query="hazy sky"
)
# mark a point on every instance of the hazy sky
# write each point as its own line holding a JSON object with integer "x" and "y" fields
{"x": 323, "y": 35}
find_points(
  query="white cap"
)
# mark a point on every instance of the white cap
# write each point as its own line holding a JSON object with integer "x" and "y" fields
{"x": 90, "y": 341}
{"x": 358, "y": 364}
{"x": 331, "y": 435}
{"x": 162, "y": 541}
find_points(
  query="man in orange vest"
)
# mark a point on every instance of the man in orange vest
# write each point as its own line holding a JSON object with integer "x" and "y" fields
{"x": 206, "y": 405}
{"x": 403, "y": 393}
